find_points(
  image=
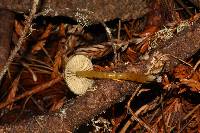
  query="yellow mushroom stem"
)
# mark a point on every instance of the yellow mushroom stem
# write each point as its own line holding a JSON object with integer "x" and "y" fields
{"x": 132, "y": 76}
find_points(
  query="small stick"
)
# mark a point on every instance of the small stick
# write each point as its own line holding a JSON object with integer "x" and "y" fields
{"x": 109, "y": 35}
{"x": 136, "y": 117}
{"x": 139, "y": 120}
{"x": 197, "y": 64}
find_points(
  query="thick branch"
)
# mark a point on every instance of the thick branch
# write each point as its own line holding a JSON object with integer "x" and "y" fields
{"x": 108, "y": 92}
{"x": 100, "y": 10}
{"x": 6, "y": 28}
{"x": 182, "y": 46}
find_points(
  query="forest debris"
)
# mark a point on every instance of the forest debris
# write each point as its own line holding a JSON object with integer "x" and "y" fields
{"x": 135, "y": 116}
{"x": 76, "y": 112}
{"x": 34, "y": 90}
{"x": 195, "y": 85}
{"x": 195, "y": 2}
{"x": 13, "y": 90}
{"x": 171, "y": 112}
{"x": 107, "y": 127}
{"x": 42, "y": 40}
{"x": 96, "y": 51}
{"x": 108, "y": 92}
{"x": 192, "y": 80}
{"x": 18, "y": 28}
{"x": 25, "y": 32}
{"x": 34, "y": 76}
{"x": 182, "y": 71}
{"x": 141, "y": 122}
{"x": 57, "y": 63}
{"x": 154, "y": 20}
{"x": 57, "y": 105}
{"x": 181, "y": 46}
{"x": 167, "y": 11}
{"x": 83, "y": 11}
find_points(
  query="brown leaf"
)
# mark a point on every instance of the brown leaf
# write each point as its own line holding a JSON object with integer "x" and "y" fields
{"x": 144, "y": 47}
{"x": 56, "y": 65}
{"x": 131, "y": 54}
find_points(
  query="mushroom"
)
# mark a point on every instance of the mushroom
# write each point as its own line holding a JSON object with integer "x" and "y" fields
{"x": 79, "y": 74}
{"x": 78, "y": 85}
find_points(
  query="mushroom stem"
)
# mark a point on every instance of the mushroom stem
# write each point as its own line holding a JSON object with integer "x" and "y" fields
{"x": 132, "y": 76}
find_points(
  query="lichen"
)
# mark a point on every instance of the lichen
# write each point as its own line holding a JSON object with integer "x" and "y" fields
{"x": 164, "y": 35}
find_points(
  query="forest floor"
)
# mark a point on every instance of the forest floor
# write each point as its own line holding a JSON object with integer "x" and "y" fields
{"x": 147, "y": 53}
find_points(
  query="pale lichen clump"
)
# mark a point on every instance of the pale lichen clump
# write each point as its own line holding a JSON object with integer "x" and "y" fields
{"x": 157, "y": 63}
{"x": 164, "y": 35}
{"x": 167, "y": 33}
{"x": 101, "y": 125}
{"x": 82, "y": 16}
{"x": 78, "y": 85}
{"x": 183, "y": 25}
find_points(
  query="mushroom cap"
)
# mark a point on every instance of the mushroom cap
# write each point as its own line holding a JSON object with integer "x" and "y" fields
{"x": 78, "y": 85}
